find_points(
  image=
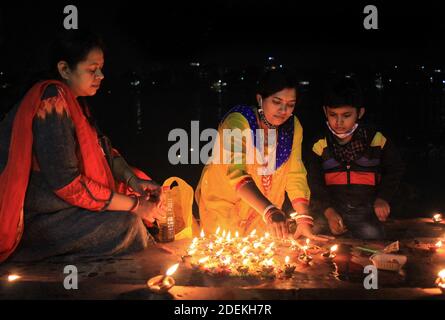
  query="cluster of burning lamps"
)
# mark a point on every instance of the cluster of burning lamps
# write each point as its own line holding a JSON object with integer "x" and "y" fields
{"x": 222, "y": 254}
{"x": 163, "y": 283}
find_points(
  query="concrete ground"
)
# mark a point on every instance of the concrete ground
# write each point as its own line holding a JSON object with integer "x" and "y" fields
{"x": 125, "y": 277}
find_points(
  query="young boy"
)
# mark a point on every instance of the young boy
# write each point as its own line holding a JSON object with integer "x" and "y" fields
{"x": 354, "y": 170}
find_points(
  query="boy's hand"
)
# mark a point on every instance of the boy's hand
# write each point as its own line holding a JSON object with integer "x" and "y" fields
{"x": 335, "y": 221}
{"x": 381, "y": 209}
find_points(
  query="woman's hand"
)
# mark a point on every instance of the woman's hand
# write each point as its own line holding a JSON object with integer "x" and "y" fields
{"x": 147, "y": 188}
{"x": 305, "y": 230}
{"x": 276, "y": 223}
{"x": 150, "y": 210}
{"x": 381, "y": 209}
{"x": 335, "y": 221}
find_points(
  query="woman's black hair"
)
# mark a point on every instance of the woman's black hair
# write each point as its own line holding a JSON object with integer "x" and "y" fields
{"x": 343, "y": 91}
{"x": 72, "y": 46}
{"x": 273, "y": 81}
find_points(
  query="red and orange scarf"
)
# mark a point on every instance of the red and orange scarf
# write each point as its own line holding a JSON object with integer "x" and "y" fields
{"x": 14, "y": 178}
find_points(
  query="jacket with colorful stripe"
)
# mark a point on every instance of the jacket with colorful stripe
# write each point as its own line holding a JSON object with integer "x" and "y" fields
{"x": 374, "y": 174}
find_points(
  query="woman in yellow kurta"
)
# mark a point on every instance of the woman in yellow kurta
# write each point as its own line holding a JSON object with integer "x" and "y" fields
{"x": 243, "y": 188}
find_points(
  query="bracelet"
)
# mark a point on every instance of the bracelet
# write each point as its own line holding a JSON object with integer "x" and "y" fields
{"x": 296, "y": 216}
{"x": 303, "y": 216}
{"x": 136, "y": 204}
{"x": 267, "y": 209}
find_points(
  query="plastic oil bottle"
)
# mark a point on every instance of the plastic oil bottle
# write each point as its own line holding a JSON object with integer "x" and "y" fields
{"x": 167, "y": 226}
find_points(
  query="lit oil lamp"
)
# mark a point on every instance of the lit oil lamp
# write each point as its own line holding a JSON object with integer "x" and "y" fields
{"x": 294, "y": 245}
{"x": 267, "y": 268}
{"x": 331, "y": 253}
{"x": 288, "y": 269}
{"x": 437, "y": 218}
{"x": 218, "y": 253}
{"x": 13, "y": 277}
{"x": 436, "y": 246}
{"x": 304, "y": 257}
{"x": 217, "y": 231}
{"x": 244, "y": 268}
{"x": 163, "y": 283}
{"x": 440, "y": 281}
{"x": 202, "y": 234}
{"x": 243, "y": 251}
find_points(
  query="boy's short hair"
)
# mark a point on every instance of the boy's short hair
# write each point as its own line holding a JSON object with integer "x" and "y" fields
{"x": 343, "y": 91}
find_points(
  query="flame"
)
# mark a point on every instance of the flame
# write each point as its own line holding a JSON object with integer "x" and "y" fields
{"x": 253, "y": 233}
{"x": 228, "y": 236}
{"x": 266, "y": 235}
{"x": 437, "y": 217}
{"x": 217, "y": 230}
{"x": 236, "y": 234}
{"x": 172, "y": 269}
{"x": 441, "y": 274}
{"x": 203, "y": 260}
{"x": 202, "y": 234}
{"x": 334, "y": 248}
{"x": 224, "y": 234}
{"x": 269, "y": 262}
{"x": 307, "y": 241}
{"x": 244, "y": 250}
{"x": 194, "y": 241}
{"x": 439, "y": 244}
{"x": 13, "y": 277}
{"x": 286, "y": 260}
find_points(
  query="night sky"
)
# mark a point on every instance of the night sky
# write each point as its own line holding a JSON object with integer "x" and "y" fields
{"x": 228, "y": 31}
{"x": 154, "y": 42}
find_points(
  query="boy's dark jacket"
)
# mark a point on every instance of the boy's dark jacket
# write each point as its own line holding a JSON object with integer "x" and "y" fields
{"x": 376, "y": 173}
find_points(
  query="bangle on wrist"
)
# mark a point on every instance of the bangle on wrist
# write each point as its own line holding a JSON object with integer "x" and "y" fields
{"x": 136, "y": 203}
{"x": 302, "y": 218}
{"x": 266, "y": 210}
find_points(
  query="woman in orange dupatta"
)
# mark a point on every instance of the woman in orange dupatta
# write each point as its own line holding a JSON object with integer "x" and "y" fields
{"x": 64, "y": 191}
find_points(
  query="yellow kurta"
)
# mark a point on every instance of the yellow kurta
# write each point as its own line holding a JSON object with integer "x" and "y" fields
{"x": 220, "y": 205}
